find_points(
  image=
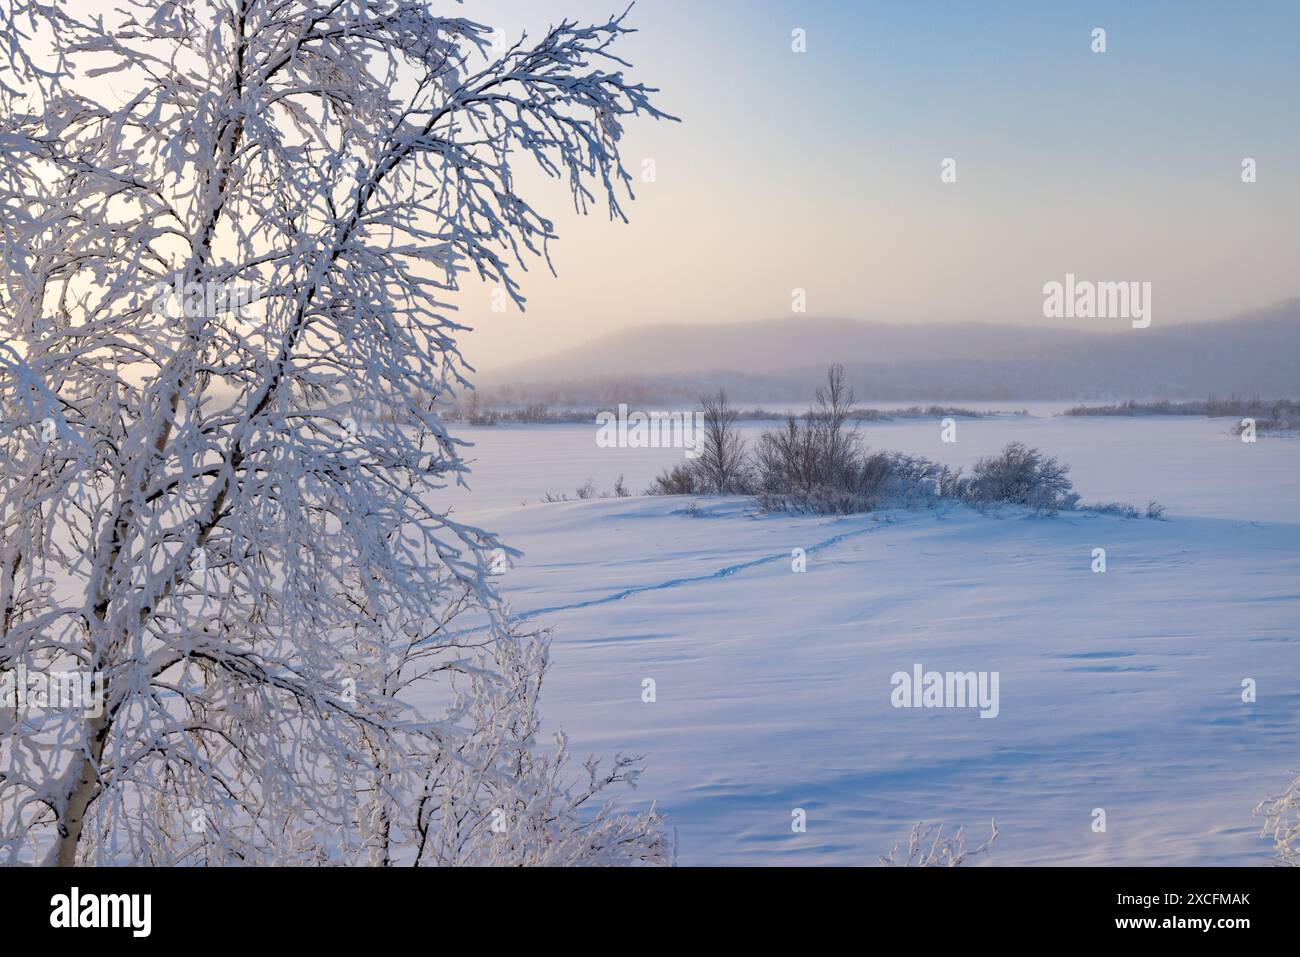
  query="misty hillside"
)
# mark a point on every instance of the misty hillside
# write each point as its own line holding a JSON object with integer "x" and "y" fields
{"x": 776, "y": 360}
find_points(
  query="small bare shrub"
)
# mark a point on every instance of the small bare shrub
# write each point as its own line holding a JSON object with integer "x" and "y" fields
{"x": 1019, "y": 475}
{"x": 679, "y": 480}
{"x": 786, "y": 459}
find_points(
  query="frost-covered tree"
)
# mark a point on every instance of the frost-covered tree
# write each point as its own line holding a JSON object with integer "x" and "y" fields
{"x": 232, "y": 237}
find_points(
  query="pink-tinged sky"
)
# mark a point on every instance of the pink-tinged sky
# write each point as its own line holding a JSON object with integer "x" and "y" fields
{"x": 821, "y": 170}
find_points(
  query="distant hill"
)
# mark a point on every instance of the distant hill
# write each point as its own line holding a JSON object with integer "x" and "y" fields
{"x": 773, "y": 360}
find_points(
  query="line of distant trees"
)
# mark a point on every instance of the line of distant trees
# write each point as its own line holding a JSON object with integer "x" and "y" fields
{"x": 1270, "y": 415}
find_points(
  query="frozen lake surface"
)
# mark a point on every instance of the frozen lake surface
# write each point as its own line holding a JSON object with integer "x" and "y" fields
{"x": 1120, "y": 691}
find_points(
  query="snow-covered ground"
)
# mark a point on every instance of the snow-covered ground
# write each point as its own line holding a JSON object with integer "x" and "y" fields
{"x": 1120, "y": 691}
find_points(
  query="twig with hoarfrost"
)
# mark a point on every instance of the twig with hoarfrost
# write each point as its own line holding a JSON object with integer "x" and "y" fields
{"x": 927, "y": 847}
{"x": 1281, "y": 816}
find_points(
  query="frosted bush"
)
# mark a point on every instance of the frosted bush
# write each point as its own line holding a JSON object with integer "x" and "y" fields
{"x": 1019, "y": 475}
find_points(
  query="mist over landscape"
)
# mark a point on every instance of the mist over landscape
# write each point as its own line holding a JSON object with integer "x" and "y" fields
{"x": 776, "y": 360}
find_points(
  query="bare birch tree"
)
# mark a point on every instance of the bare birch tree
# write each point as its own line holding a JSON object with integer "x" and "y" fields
{"x": 723, "y": 462}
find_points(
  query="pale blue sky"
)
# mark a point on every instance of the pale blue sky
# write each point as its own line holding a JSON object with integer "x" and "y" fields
{"x": 821, "y": 170}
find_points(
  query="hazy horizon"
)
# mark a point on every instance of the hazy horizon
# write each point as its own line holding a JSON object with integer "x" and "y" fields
{"x": 1095, "y": 331}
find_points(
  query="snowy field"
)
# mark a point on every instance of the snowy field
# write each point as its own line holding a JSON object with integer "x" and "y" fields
{"x": 1120, "y": 691}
